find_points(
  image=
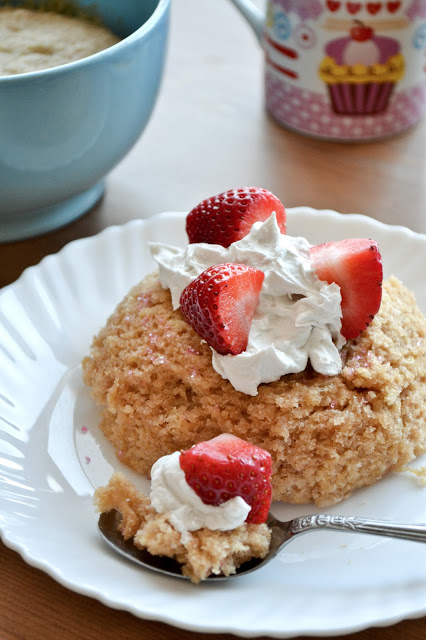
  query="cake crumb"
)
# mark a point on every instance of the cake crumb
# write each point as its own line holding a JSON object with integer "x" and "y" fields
{"x": 420, "y": 473}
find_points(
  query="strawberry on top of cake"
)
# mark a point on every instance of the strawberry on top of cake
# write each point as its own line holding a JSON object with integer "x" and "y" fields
{"x": 229, "y": 216}
{"x": 265, "y": 302}
{"x": 207, "y": 509}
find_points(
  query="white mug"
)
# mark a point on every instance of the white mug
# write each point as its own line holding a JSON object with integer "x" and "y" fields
{"x": 347, "y": 70}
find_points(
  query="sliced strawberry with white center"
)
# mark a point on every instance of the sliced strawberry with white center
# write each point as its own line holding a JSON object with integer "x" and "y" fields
{"x": 226, "y": 467}
{"x": 229, "y": 216}
{"x": 356, "y": 266}
{"x": 220, "y": 304}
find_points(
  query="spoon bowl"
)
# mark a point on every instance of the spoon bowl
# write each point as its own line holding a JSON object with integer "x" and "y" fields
{"x": 281, "y": 534}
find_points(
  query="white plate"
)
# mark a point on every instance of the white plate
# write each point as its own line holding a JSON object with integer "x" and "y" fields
{"x": 323, "y": 584}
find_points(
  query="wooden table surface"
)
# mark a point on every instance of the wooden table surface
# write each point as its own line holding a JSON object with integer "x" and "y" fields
{"x": 209, "y": 132}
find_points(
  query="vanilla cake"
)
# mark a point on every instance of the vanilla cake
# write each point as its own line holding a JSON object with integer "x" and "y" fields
{"x": 152, "y": 376}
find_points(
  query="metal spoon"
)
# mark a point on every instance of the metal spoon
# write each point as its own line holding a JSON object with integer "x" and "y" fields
{"x": 282, "y": 533}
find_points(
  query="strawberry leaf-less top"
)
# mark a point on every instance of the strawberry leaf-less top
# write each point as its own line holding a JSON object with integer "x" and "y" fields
{"x": 355, "y": 265}
{"x": 229, "y": 216}
{"x": 226, "y": 467}
{"x": 220, "y": 304}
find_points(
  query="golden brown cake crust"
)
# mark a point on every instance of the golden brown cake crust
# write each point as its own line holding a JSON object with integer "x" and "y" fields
{"x": 327, "y": 436}
{"x": 201, "y": 553}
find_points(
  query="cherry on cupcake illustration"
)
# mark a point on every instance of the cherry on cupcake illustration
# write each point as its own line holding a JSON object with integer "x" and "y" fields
{"x": 361, "y": 32}
{"x": 361, "y": 49}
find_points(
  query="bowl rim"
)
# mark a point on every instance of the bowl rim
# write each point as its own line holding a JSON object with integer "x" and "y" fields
{"x": 160, "y": 10}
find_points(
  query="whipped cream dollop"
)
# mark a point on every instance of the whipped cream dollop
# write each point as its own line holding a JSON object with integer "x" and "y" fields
{"x": 172, "y": 495}
{"x": 298, "y": 317}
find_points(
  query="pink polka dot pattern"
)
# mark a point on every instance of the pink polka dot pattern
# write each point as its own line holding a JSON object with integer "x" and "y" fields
{"x": 311, "y": 113}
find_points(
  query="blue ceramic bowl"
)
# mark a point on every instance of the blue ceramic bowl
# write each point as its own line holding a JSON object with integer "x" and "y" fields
{"x": 63, "y": 129}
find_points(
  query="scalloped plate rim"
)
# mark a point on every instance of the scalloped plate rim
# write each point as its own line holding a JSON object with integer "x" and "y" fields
{"x": 53, "y": 571}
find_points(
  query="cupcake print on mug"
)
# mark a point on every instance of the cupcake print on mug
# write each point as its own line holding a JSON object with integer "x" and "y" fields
{"x": 361, "y": 70}
{"x": 346, "y": 70}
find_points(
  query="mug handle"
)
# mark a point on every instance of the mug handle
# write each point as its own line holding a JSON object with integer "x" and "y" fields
{"x": 254, "y": 16}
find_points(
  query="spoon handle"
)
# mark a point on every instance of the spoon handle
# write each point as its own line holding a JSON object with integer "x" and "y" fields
{"x": 416, "y": 532}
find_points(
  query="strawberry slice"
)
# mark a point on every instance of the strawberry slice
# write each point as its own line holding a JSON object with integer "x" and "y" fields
{"x": 219, "y": 305}
{"x": 229, "y": 216}
{"x": 356, "y": 266}
{"x": 226, "y": 467}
